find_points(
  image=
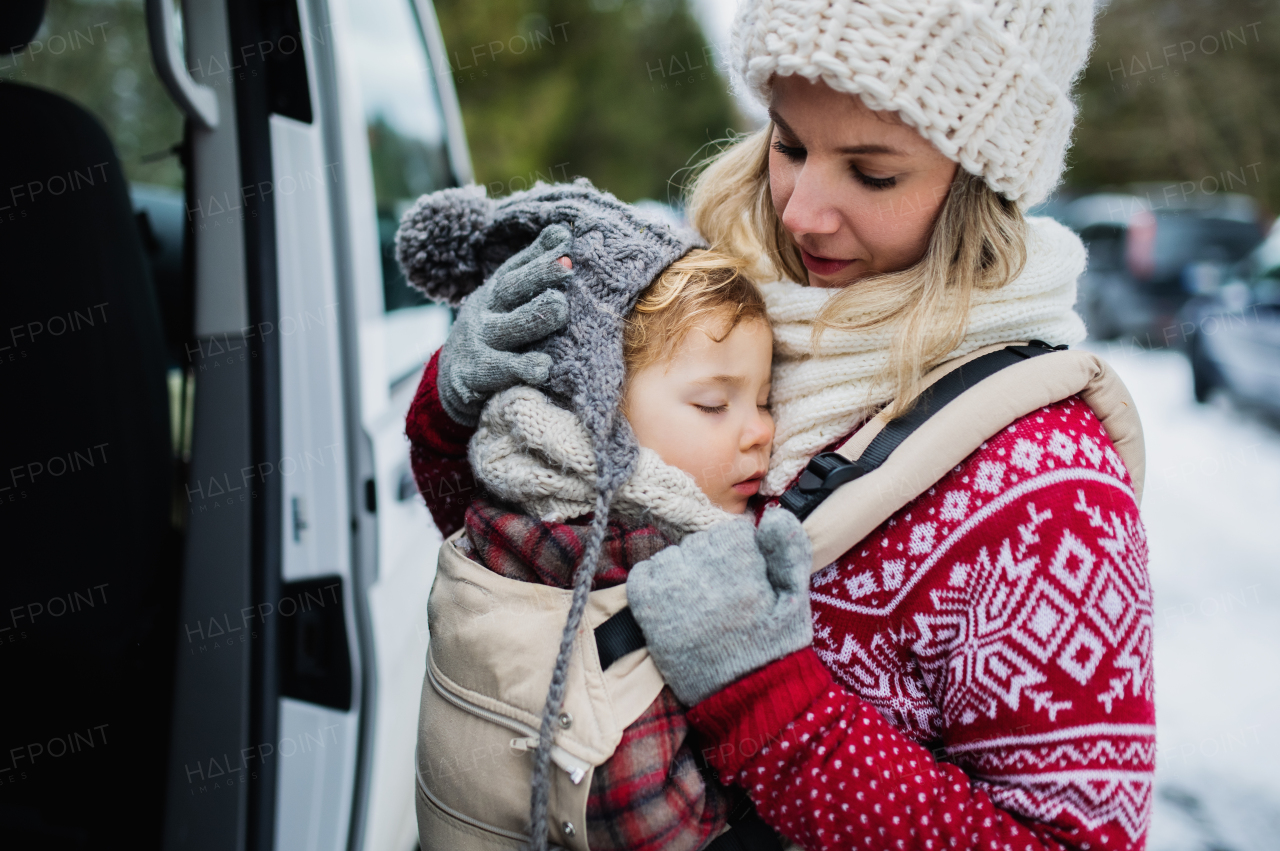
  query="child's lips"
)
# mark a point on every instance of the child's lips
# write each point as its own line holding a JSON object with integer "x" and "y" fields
{"x": 749, "y": 487}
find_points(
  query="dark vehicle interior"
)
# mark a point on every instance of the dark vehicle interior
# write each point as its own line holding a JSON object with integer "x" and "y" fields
{"x": 95, "y": 314}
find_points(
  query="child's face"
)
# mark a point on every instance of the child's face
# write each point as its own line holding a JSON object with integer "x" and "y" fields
{"x": 705, "y": 410}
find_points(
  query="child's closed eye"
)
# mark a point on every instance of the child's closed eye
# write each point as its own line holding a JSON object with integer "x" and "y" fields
{"x": 711, "y": 409}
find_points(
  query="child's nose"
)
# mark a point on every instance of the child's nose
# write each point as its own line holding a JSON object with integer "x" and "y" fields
{"x": 758, "y": 431}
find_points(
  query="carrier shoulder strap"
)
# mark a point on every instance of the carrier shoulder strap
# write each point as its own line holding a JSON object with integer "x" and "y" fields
{"x": 829, "y": 470}
{"x": 967, "y": 402}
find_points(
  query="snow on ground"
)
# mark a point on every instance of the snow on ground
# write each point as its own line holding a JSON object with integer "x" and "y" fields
{"x": 1212, "y": 511}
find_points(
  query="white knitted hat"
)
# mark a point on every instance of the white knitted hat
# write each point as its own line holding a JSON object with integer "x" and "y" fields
{"x": 988, "y": 82}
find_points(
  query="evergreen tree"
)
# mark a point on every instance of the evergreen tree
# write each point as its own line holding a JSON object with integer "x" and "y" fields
{"x": 1183, "y": 92}
{"x": 624, "y": 92}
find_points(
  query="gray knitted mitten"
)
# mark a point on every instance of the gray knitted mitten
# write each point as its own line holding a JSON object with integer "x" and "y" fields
{"x": 724, "y": 602}
{"x": 517, "y": 306}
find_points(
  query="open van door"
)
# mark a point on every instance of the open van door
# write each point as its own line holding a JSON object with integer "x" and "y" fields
{"x": 261, "y": 664}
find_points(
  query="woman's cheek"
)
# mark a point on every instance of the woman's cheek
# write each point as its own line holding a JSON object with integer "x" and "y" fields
{"x": 894, "y": 232}
{"x": 883, "y": 215}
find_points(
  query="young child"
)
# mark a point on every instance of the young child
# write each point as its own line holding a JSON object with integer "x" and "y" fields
{"x": 696, "y": 352}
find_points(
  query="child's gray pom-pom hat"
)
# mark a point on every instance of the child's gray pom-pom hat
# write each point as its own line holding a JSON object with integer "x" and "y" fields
{"x": 451, "y": 241}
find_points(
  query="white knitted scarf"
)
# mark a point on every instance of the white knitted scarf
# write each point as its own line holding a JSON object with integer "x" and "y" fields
{"x": 531, "y": 452}
{"x": 819, "y": 397}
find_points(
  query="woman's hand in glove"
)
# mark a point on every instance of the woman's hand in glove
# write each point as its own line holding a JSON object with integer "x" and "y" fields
{"x": 724, "y": 602}
{"x": 520, "y": 304}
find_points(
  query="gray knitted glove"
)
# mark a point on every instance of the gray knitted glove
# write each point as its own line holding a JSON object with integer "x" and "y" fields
{"x": 724, "y": 602}
{"x": 515, "y": 307}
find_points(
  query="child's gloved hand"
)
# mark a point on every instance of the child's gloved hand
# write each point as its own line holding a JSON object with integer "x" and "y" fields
{"x": 515, "y": 307}
{"x": 724, "y": 602}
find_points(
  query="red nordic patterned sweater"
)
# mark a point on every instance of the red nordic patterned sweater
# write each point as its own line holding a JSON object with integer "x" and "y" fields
{"x": 981, "y": 674}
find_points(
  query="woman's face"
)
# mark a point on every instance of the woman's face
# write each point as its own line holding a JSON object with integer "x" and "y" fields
{"x": 858, "y": 190}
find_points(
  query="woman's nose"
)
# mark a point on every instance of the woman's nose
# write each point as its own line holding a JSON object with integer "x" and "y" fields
{"x": 810, "y": 209}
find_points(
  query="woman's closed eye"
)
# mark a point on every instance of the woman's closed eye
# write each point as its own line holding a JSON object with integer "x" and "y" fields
{"x": 873, "y": 182}
{"x": 791, "y": 152}
{"x": 795, "y": 153}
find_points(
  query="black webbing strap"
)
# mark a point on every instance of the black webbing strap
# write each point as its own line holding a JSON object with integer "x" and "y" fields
{"x": 620, "y": 634}
{"x": 617, "y": 637}
{"x": 829, "y": 470}
{"x": 748, "y": 833}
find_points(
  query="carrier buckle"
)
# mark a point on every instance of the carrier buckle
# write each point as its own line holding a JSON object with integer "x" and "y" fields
{"x": 828, "y": 471}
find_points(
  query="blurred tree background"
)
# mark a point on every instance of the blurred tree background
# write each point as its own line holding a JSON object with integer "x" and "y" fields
{"x": 1182, "y": 90}
{"x": 623, "y": 92}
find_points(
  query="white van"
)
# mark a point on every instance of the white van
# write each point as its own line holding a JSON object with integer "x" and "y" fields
{"x": 214, "y": 349}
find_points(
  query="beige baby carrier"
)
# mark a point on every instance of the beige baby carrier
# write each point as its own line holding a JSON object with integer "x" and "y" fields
{"x": 494, "y": 640}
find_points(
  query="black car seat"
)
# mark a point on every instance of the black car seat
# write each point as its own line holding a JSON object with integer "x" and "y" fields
{"x": 90, "y": 556}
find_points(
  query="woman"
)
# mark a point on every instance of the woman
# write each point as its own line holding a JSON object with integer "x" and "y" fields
{"x": 977, "y": 671}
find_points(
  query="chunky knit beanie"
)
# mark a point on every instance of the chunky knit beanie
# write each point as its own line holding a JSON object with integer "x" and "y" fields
{"x": 988, "y": 82}
{"x": 450, "y": 241}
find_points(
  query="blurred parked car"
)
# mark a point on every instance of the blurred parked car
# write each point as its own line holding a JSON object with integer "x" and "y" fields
{"x": 1102, "y": 220}
{"x": 1141, "y": 259}
{"x": 1233, "y": 333}
{"x": 1057, "y": 205}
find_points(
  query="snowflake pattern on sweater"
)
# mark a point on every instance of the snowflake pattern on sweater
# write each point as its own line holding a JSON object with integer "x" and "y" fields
{"x": 1003, "y": 619}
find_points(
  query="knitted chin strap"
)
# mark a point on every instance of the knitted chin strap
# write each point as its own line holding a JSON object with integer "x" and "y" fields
{"x": 582, "y": 577}
{"x": 611, "y": 476}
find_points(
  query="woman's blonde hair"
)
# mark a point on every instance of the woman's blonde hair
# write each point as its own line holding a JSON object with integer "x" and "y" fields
{"x": 978, "y": 242}
{"x": 703, "y": 289}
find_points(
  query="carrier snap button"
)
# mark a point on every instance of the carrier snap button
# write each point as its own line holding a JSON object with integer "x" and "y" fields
{"x": 568, "y": 829}
{"x": 566, "y": 721}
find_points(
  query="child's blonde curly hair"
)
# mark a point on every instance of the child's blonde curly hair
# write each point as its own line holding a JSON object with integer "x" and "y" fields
{"x": 709, "y": 290}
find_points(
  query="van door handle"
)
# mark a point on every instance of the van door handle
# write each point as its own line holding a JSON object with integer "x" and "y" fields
{"x": 196, "y": 100}
{"x": 315, "y": 659}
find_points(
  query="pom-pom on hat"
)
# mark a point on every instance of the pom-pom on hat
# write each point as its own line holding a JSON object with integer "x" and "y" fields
{"x": 988, "y": 82}
{"x": 451, "y": 241}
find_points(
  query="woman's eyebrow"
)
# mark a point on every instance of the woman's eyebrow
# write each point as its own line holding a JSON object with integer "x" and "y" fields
{"x": 777, "y": 119}
{"x": 869, "y": 149}
{"x": 847, "y": 149}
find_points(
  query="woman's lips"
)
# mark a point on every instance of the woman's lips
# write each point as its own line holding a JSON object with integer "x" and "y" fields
{"x": 748, "y": 487}
{"x": 822, "y": 265}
